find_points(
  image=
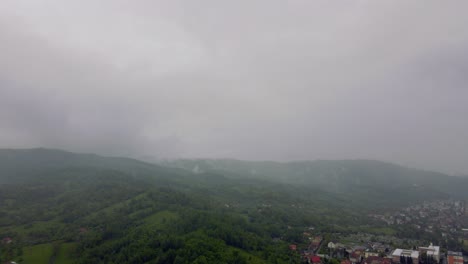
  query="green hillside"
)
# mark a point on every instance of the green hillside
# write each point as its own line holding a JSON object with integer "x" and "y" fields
{"x": 24, "y": 165}
{"x": 341, "y": 176}
{"x": 62, "y": 207}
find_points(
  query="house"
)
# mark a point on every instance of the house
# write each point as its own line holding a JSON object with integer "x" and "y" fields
{"x": 380, "y": 248}
{"x": 314, "y": 260}
{"x": 377, "y": 260}
{"x": 454, "y": 257}
{"x": 355, "y": 258}
{"x": 346, "y": 261}
{"x": 7, "y": 240}
{"x": 369, "y": 253}
{"x": 293, "y": 247}
{"x": 387, "y": 261}
{"x": 316, "y": 241}
{"x": 341, "y": 253}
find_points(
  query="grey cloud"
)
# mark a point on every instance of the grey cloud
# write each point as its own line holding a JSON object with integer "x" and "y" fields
{"x": 278, "y": 80}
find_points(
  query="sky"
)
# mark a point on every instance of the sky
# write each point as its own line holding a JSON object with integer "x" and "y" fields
{"x": 249, "y": 79}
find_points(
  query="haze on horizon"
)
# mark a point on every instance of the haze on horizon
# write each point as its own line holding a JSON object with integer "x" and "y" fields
{"x": 262, "y": 80}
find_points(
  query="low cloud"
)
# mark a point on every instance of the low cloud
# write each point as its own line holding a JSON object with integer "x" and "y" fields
{"x": 279, "y": 80}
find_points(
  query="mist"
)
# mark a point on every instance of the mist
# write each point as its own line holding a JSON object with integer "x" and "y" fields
{"x": 255, "y": 80}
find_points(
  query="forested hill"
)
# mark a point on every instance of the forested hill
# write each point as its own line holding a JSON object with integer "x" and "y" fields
{"x": 335, "y": 175}
{"x": 24, "y": 165}
{"x": 62, "y": 207}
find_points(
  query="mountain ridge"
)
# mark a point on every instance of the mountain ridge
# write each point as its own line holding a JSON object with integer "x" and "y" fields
{"x": 335, "y": 176}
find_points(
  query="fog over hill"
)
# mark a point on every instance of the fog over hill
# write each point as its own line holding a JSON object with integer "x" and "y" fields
{"x": 252, "y": 80}
{"x": 335, "y": 175}
{"x": 339, "y": 176}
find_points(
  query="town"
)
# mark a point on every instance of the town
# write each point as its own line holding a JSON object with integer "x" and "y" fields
{"x": 322, "y": 251}
{"x": 443, "y": 219}
{"x": 442, "y": 216}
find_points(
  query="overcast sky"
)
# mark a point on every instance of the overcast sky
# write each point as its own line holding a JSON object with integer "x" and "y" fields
{"x": 263, "y": 80}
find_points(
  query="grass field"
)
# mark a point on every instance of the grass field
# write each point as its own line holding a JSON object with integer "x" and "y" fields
{"x": 465, "y": 244}
{"x": 65, "y": 253}
{"x": 42, "y": 253}
{"x": 111, "y": 208}
{"x": 33, "y": 227}
{"x": 38, "y": 254}
{"x": 382, "y": 231}
{"x": 160, "y": 219}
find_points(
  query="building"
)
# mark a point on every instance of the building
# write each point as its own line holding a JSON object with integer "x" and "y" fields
{"x": 7, "y": 240}
{"x": 316, "y": 241}
{"x": 345, "y": 261}
{"x": 405, "y": 254}
{"x": 454, "y": 257}
{"x": 339, "y": 252}
{"x": 314, "y": 260}
{"x": 369, "y": 253}
{"x": 431, "y": 251}
{"x": 377, "y": 260}
{"x": 355, "y": 257}
{"x": 465, "y": 233}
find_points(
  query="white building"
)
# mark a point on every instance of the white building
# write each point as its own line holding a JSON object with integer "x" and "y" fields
{"x": 431, "y": 251}
{"x": 413, "y": 254}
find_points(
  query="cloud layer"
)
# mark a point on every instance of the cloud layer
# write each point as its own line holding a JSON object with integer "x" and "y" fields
{"x": 263, "y": 79}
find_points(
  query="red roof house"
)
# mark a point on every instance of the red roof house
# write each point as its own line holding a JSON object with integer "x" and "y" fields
{"x": 345, "y": 261}
{"x": 315, "y": 260}
{"x": 376, "y": 260}
{"x": 7, "y": 240}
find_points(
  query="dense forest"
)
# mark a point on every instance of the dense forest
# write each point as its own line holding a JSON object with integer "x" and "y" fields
{"x": 61, "y": 207}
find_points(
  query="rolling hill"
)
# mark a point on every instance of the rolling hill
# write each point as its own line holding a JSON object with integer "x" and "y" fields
{"x": 86, "y": 208}
{"x": 338, "y": 176}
